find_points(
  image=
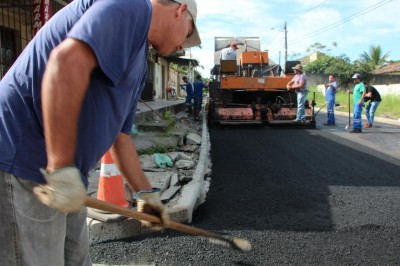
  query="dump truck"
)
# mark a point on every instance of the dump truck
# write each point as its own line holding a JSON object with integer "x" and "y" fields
{"x": 252, "y": 89}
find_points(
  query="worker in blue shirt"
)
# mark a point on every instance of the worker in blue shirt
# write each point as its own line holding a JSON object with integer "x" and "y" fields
{"x": 189, "y": 94}
{"x": 198, "y": 86}
{"x": 330, "y": 96}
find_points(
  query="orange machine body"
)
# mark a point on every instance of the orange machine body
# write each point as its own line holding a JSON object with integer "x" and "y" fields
{"x": 254, "y": 83}
{"x": 251, "y": 89}
{"x": 253, "y": 57}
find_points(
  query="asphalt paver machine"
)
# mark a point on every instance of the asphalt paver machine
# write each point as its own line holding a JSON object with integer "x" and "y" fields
{"x": 252, "y": 89}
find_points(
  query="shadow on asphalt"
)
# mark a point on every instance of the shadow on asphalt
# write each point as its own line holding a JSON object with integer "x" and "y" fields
{"x": 279, "y": 179}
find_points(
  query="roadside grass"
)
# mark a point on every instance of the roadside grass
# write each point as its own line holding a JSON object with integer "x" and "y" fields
{"x": 388, "y": 108}
{"x": 159, "y": 148}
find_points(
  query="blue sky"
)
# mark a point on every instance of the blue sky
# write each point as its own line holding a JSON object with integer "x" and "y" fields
{"x": 353, "y": 25}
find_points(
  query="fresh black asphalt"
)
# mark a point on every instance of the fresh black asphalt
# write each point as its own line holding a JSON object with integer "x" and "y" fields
{"x": 301, "y": 197}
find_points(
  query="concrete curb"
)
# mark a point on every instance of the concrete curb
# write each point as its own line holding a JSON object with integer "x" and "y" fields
{"x": 193, "y": 193}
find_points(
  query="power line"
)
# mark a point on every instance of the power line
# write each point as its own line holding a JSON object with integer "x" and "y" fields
{"x": 283, "y": 28}
{"x": 276, "y": 35}
{"x": 340, "y": 22}
{"x": 307, "y": 10}
{"x": 318, "y": 5}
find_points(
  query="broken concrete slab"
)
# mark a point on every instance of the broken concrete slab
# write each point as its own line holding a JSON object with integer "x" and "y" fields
{"x": 147, "y": 161}
{"x": 189, "y": 148}
{"x": 101, "y": 231}
{"x": 155, "y": 142}
{"x": 160, "y": 180}
{"x": 168, "y": 194}
{"x": 184, "y": 156}
{"x": 193, "y": 138}
{"x": 180, "y": 133}
{"x": 184, "y": 164}
{"x": 156, "y": 125}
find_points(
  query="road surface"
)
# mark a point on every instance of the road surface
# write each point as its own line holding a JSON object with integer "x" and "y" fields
{"x": 302, "y": 197}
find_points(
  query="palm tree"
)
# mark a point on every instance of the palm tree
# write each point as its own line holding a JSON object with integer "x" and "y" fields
{"x": 375, "y": 57}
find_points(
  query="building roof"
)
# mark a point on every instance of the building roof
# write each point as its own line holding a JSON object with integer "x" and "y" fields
{"x": 182, "y": 61}
{"x": 389, "y": 69}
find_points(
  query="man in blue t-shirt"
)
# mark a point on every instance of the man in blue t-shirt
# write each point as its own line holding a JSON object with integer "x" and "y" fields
{"x": 70, "y": 97}
{"x": 330, "y": 96}
{"x": 198, "y": 86}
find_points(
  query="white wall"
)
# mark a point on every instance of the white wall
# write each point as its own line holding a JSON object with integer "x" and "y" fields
{"x": 392, "y": 89}
{"x": 159, "y": 87}
{"x": 158, "y": 81}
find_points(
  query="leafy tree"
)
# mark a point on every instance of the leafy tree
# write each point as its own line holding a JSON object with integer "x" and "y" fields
{"x": 341, "y": 66}
{"x": 364, "y": 69}
{"x": 318, "y": 66}
{"x": 375, "y": 58}
{"x": 316, "y": 47}
{"x": 179, "y": 68}
{"x": 330, "y": 64}
{"x": 319, "y": 47}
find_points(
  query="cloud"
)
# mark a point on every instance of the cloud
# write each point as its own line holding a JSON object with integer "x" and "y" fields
{"x": 353, "y": 25}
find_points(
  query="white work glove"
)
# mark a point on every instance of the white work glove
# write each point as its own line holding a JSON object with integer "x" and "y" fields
{"x": 150, "y": 202}
{"x": 64, "y": 190}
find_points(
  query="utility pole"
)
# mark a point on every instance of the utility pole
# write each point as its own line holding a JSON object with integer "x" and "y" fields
{"x": 285, "y": 45}
{"x": 279, "y": 58}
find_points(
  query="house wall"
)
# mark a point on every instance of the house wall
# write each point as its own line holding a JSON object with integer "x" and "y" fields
{"x": 385, "y": 84}
{"x": 157, "y": 86}
{"x": 161, "y": 78}
{"x": 391, "y": 89}
{"x": 174, "y": 81}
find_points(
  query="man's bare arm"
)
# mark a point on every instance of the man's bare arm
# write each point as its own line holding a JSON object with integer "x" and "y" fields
{"x": 64, "y": 87}
{"x": 126, "y": 158}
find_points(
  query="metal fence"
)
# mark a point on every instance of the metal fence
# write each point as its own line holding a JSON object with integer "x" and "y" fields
{"x": 16, "y": 20}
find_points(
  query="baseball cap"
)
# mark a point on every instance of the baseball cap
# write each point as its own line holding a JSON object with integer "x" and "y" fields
{"x": 356, "y": 76}
{"x": 234, "y": 45}
{"x": 194, "y": 39}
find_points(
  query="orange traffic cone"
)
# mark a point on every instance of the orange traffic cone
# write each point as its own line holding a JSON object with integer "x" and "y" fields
{"x": 111, "y": 186}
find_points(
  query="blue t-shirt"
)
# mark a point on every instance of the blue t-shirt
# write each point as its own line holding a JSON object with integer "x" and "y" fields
{"x": 189, "y": 88}
{"x": 198, "y": 86}
{"x": 330, "y": 92}
{"x": 116, "y": 30}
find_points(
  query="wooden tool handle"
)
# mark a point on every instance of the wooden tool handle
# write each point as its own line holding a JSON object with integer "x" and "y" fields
{"x": 237, "y": 243}
{"x": 112, "y": 208}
